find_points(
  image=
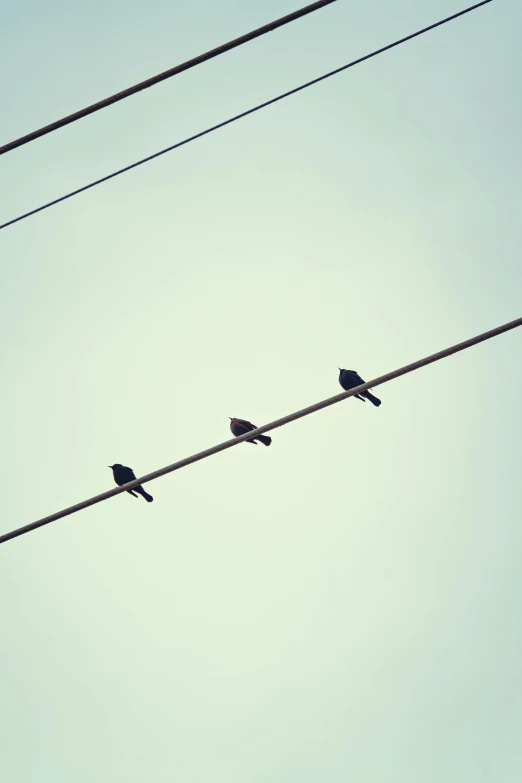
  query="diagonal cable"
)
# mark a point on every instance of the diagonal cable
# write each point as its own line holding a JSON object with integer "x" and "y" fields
{"x": 241, "y": 115}
{"x": 160, "y": 77}
{"x": 183, "y": 463}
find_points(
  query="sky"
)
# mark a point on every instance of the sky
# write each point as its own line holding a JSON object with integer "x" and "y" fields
{"x": 344, "y": 605}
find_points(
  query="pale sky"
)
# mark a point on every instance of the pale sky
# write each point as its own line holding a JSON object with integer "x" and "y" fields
{"x": 344, "y": 605}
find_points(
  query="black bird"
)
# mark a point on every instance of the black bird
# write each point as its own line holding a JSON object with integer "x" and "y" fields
{"x": 241, "y": 427}
{"x": 123, "y": 475}
{"x": 349, "y": 379}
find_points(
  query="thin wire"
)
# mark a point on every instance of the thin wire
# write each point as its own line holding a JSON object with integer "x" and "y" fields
{"x": 265, "y": 428}
{"x": 243, "y": 114}
{"x": 119, "y": 96}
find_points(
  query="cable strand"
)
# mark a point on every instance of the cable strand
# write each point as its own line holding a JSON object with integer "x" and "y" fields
{"x": 160, "y": 77}
{"x": 242, "y": 114}
{"x": 265, "y": 428}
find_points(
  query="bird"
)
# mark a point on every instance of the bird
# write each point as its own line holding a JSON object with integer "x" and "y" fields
{"x": 123, "y": 475}
{"x": 349, "y": 379}
{"x": 241, "y": 427}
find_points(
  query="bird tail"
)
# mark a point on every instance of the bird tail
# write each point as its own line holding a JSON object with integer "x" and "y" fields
{"x": 373, "y": 399}
{"x": 266, "y": 439}
{"x": 144, "y": 494}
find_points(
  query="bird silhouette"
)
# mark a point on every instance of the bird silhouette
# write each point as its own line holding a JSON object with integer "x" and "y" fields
{"x": 349, "y": 379}
{"x": 242, "y": 426}
{"x": 123, "y": 475}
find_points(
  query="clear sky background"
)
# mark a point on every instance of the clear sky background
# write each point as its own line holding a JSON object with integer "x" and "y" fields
{"x": 344, "y": 605}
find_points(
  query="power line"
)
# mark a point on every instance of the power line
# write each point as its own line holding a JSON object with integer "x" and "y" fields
{"x": 265, "y": 428}
{"x": 160, "y": 77}
{"x": 243, "y": 114}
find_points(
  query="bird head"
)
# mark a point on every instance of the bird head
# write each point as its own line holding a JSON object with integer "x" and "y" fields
{"x": 116, "y": 465}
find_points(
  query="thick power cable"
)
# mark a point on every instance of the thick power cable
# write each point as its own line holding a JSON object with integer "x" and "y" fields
{"x": 243, "y": 114}
{"x": 228, "y": 444}
{"x": 160, "y": 77}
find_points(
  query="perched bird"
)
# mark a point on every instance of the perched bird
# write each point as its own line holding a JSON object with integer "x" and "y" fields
{"x": 123, "y": 475}
{"x": 241, "y": 427}
{"x": 349, "y": 379}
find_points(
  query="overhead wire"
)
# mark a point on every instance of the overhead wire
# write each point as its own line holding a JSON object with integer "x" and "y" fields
{"x": 160, "y": 77}
{"x": 265, "y": 428}
{"x": 242, "y": 114}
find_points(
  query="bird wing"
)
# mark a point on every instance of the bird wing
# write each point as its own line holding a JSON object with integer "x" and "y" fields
{"x": 125, "y": 475}
{"x": 358, "y": 381}
{"x": 248, "y": 426}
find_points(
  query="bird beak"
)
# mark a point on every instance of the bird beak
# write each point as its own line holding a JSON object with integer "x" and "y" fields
{"x": 109, "y": 466}
{"x": 230, "y": 417}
